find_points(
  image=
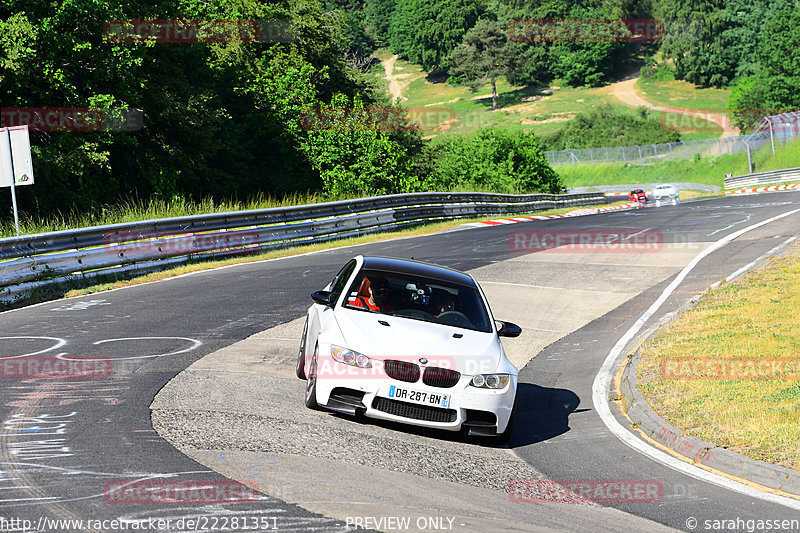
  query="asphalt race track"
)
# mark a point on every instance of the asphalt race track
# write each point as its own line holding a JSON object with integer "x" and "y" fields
{"x": 65, "y": 442}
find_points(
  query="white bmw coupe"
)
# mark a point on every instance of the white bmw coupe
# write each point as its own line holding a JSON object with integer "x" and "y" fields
{"x": 409, "y": 342}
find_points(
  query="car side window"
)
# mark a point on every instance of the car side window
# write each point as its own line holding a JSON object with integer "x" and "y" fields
{"x": 341, "y": 280}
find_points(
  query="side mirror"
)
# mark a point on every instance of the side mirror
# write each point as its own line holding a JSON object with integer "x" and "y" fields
{"x": 508, "y": 329}
{"x": 321, "y": 297}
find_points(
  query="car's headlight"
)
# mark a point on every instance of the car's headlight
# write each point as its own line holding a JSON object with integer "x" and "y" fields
{"x": 349, "y": 357}
{"x": 490, "y": 381}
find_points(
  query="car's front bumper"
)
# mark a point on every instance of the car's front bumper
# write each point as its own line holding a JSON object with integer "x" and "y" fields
{"x": 482, "y": 411}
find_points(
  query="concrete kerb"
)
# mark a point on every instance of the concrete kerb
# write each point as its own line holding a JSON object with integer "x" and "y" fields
{"x": 642, "y": 417}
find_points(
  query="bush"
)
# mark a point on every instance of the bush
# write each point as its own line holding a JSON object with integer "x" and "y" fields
{"x": 608, "y": 126}
{"x": 354, "y": 156}
{"x": 492, "y": 159}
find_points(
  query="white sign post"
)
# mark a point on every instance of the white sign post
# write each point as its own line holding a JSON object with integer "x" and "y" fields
{"x": 16, "y": 167}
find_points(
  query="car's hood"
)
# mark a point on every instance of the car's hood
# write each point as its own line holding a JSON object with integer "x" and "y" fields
{"x": 408, "y": 340}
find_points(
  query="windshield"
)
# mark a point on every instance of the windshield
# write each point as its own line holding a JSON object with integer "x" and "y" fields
{"x": 407, "y": 296}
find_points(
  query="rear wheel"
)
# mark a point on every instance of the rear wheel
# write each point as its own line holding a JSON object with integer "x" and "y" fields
{"x": 311, "y": 383}
{"x": 300, "y": 367}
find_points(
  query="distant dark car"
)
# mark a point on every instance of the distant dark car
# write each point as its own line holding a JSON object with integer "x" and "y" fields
{"x": 638, "y": 195}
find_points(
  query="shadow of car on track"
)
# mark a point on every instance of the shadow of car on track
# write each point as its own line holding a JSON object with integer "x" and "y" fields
{"x": 542, "y": 413}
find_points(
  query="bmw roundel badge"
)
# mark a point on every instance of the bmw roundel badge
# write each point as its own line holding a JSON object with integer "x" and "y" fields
{"x": 423, "y": 360}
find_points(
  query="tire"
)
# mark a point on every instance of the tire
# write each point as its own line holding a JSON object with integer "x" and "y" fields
{"x": 300, "y": 367}
{"x": 311, "y": 383}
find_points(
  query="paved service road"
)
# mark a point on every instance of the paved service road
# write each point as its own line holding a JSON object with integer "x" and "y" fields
{"x": 64, "y": 443}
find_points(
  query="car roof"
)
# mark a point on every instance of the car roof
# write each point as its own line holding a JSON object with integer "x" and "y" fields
{"x": 417, "y": 268}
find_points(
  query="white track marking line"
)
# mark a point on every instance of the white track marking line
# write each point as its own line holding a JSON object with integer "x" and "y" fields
{"x": 195, "y": 344}
{"x": 601, "y": 389}
{"x": 59, "y": 343}
{"x": 750, "y": 265}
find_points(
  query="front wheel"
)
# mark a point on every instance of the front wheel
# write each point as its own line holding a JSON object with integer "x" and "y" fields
{"x": 300, "y": 367}
{"x": 311, "y": 383}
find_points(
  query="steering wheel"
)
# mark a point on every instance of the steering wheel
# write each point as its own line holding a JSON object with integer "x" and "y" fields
{"x": 454, "y": 318}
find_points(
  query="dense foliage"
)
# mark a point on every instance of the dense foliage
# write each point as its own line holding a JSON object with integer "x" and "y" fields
{"x": 714, "y": 42}
{"x": 426, "y": 31}
{"x": 776, "y": 85}
{"x": 230, "y": 120}
{"x": 219, "y": 119}
{"x": 492, "y": 159}
{"x": 224, "y": 119}
{"x": 607, "y": 126}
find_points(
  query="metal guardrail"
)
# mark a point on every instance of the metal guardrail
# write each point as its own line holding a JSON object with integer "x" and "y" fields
{"x": 32, "y": 260}
{"x": 763, "y": 178}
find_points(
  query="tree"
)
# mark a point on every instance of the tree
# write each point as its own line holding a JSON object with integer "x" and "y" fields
{"x": 774, "y": 88}
{"x": 220, "y": 119}
{"x": 484, "y": 55}
{"x": 425, "y": 31}
{"x": 715, "y": 42}
{"x": 378, "y": 14}
{"x": 353, "y": 153}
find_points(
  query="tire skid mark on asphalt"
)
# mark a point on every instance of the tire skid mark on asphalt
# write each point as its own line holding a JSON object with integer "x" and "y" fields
{"x": 43, "y": 397}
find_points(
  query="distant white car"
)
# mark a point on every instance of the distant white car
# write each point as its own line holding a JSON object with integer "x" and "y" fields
{"x": 666, "y": 193}
{"x": 409, "y": 342}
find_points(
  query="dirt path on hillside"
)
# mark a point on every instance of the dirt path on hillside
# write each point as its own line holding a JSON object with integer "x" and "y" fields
{"x": 397, "y": 82}
{"x": 626, "y": 93}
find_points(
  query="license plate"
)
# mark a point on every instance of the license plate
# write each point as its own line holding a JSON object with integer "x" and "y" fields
{"x": 419, "y": 397}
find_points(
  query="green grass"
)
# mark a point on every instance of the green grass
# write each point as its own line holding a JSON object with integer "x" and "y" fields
{"x": 755, "y": 318}
{"x": 139, "y": 210}
{"x": 708, "y": 170}
{"x": 683, "y": 95}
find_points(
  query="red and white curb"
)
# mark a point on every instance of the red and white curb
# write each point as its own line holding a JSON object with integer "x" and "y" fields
{"x": 576, "y": 213}
{"x": 790, "y": 187}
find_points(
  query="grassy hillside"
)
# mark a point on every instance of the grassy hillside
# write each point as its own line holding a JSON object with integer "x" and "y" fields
{"x": 441, "y": 108}
{"x": 683, "y": 95}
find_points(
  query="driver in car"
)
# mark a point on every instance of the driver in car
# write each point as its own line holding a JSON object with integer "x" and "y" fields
{"x": 445, "y": 305}
{"x": 379, "y": 296}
